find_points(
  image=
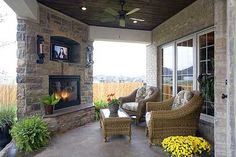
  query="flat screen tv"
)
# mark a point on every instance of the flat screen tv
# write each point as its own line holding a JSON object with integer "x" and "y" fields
{"x": 60, "y": 52}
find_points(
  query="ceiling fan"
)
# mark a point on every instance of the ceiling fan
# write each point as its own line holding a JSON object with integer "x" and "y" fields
{"x": 121, "y": 15}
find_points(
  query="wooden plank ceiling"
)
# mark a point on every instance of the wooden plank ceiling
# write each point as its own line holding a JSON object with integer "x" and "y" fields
{"x": 154, "y": 12}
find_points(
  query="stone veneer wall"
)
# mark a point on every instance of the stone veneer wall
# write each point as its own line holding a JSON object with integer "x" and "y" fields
{"x": 69, "y": 119}
{"x": 151, "y": 65}
{"x": 231, "y": 66}
{"x": 196, "y": 17}
{"x": 220, "y": 123}
{"x": 32, "y": 78}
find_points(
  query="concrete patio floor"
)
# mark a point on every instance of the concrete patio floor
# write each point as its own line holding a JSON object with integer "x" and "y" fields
{"x": 87, "y": 141}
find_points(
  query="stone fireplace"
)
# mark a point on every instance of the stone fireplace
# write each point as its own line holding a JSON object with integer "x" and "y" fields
{"x": 70, "y": 80}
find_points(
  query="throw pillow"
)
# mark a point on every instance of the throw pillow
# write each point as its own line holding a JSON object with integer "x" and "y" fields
{"x": 141, "y": 94}
{"x": 182, "y": 98}
{"x": 149, "y": 92}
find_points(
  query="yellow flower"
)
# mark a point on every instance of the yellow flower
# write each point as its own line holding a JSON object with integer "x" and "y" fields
{"x": 185, "y": 146}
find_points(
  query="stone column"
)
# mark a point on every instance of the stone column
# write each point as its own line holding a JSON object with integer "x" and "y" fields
{"x": 231, "y": 74}
{"x": 220, "y": 119}
{"x": 151, "y": 65}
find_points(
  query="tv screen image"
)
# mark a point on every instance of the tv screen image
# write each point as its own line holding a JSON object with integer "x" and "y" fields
{"x": 60, "y": 52}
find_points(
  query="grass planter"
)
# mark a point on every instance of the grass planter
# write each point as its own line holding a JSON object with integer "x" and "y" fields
{"x": 5, "y": 136}
{"x": 7, "y": 119}
{"x": 30, "y": 134}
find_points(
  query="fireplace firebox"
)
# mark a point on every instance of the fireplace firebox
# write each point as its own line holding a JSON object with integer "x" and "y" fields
{"x": 67, "y": 88}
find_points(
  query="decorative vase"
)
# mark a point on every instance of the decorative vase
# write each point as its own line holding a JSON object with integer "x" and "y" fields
{"x": 48, "y": 109}
{"x": 114, "y": 114}
{"x": 113, "y": 108}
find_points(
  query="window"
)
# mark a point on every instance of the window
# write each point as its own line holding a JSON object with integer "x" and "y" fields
{"x": 183, "y": 61}
{"x": 167, "y": 71}
{"x": 206, "y": 69}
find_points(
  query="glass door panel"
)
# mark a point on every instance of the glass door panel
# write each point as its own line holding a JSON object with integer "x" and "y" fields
{"x": 185, "y": 65}
{"x": 167, "y": 71}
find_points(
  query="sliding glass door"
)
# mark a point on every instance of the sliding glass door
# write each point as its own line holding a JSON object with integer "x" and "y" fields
{"x": 177, "y": 68}
{"x": 188, "y": 61}
{"x": 167, "y": 71}
{"x": 184, "y": 65}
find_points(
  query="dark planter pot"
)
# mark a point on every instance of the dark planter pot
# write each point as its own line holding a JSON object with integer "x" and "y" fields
{"x": 48, "y": 109}
{"x": 113, "y": 108}
{"x": 5, "y": 136}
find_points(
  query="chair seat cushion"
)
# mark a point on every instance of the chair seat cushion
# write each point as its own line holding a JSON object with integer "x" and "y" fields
{"x": 131, "y": 106}
{"x": 148, "y": 117}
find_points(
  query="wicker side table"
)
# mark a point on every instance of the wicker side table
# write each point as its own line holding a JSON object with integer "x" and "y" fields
{"x": 119, "y": 124}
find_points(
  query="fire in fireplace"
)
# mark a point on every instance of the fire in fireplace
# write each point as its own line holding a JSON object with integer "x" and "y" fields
{"x": 67, "y": 88}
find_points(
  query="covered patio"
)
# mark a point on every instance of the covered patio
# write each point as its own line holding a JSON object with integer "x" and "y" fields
{"x": 186, "y": 39}
{"x": 87, "y": 141}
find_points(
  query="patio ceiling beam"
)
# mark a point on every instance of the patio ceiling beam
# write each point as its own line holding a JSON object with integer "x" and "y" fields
{"x": 121, "y": 35}
{"x": 27, "y": 9}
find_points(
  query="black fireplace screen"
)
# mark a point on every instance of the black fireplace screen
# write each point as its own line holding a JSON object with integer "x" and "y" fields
{"x": 67, "y": 88}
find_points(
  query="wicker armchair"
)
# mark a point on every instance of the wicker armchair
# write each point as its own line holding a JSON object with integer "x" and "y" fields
{"x": 165, "y": 122}
{"x": 141, "y": 109}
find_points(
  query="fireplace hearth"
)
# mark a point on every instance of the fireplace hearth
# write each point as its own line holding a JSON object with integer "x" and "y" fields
{"x": 67, "y": 87}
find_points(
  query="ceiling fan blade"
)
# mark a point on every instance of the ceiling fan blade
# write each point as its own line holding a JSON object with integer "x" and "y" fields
{"x": 108, "y": 19}
{"x": 122, "y": 22}
{"x": 111, "y": 11}
{"x": 133, "y": 11}
{"x": 135, "y": 19}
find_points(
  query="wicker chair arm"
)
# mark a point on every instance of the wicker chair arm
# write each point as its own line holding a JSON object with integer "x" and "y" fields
{"x": 152, "y": 98}
{"x": 156, "y": 106}
{"x": 142, "y": 103}
{"x": 129, "y": 98}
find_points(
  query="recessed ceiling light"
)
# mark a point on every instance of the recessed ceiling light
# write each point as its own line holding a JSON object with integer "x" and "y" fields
{"x": 135, "y": 21}
{"x": 84, "y": 8}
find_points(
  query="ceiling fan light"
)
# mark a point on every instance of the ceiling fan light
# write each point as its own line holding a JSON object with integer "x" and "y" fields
{"x": 83, "y": 8}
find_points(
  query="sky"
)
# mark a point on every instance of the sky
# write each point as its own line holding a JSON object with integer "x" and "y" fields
{"x": 119, "y": 59}
{"x": 8, "y": 35}
{"x": 184, "y": 61}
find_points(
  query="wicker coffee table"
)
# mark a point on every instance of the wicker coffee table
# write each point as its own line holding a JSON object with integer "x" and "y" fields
{"x": 119, "y": 124}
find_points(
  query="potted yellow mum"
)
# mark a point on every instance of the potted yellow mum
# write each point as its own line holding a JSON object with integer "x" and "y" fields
{"x": 186, "y": 146}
